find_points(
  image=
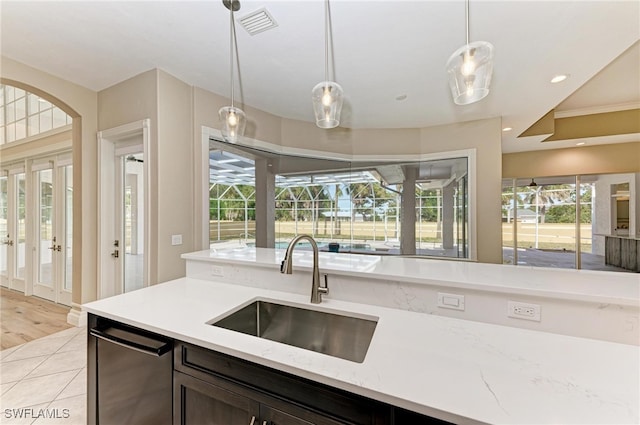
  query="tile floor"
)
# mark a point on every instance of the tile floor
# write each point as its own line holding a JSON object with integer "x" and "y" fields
{"x": 44, "y": 381}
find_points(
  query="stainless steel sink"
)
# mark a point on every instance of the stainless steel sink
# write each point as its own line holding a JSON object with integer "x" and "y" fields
{"x": 337, "y": 335}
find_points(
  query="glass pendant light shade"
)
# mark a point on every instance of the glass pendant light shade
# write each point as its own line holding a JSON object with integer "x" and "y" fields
{"x": 327, "y": 97}
{"x": 233, "y": 122}
{"x": 469, "y": 69}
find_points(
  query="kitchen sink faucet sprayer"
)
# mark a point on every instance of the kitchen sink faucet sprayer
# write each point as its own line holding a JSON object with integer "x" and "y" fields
{"x": 287, "y": 267}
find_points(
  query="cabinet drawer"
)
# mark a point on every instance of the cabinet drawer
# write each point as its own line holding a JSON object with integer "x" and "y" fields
{"x": 345, "y": 407}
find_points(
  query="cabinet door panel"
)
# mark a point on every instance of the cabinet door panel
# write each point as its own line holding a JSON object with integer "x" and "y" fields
{"x": 200, "y": 403}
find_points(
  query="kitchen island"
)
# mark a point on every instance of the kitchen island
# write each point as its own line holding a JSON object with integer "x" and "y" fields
{"x": 461, "y": 371}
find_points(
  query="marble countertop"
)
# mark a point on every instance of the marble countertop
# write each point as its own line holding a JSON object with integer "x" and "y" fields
{"x": 579, "y": 285}
{"x": 456, "y": 370}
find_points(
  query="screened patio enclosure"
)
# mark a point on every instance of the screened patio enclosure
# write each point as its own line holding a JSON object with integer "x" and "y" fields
{"x": 346, "y": 206}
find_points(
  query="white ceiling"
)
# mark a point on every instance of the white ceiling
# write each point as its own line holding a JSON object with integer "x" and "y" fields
{"x": 382, "y": 49}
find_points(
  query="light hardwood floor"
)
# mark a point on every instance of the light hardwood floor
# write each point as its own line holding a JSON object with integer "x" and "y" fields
{"x": 24, "y": 319}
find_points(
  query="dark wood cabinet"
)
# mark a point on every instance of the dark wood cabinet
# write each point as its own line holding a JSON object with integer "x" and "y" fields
{"x": 212, "y": 388}
{"x": 200, "y": 402}
{"x": 206, "y": 380}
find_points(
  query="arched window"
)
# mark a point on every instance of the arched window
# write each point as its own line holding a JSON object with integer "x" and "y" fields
{"x": 24, "y": 114}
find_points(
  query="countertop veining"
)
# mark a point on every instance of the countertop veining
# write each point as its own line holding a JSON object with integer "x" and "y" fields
{"x": 457, "y": 370}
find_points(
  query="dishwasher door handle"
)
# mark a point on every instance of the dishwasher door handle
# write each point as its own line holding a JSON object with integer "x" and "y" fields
{"x": 152, "y": 351}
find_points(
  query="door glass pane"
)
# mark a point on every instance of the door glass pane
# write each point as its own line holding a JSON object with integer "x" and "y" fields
{"x": 68, "y": 215}
{"x": 546, "y": 222}
{"x": 461, "y": 217}
{"x": 4, "y": 216}
{"x": 508, "y": 208}
{"x": 44, "y": 181}
{"x": 133, "y": 216}
{"x": 589, "y": 260}
{"x": 22, "y": 227}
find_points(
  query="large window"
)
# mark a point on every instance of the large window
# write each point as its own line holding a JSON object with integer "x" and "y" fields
{"x": 559, "y": 221}
{"x": 356, "y": 207}
{"x": 24, "y": 114}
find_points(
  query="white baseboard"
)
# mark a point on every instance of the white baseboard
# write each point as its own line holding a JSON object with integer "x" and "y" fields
{"x": 76, "y": 316}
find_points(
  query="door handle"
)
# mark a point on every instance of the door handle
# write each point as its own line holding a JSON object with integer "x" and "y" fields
{"x": 115, "y": 254}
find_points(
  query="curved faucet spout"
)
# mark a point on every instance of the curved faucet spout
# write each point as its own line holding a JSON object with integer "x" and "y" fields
{"x": 287, "y": 267}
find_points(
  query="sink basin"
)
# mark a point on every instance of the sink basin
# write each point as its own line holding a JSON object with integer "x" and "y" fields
{"x": 333, "y": 334}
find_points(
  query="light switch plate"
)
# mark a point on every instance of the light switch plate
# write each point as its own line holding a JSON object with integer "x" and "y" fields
{"x": 452, "y": 301}
{"x": 176, "y": 239}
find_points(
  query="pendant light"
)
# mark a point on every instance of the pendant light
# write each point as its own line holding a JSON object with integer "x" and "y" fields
{"x": 327, "y": 95}
{"x": 533, "y": 183}
{"x": 470, "y": 68}
{"x": 233, "y": 119}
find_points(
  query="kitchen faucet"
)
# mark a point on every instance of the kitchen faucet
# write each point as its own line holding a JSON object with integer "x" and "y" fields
{"x": 287, "y": 267}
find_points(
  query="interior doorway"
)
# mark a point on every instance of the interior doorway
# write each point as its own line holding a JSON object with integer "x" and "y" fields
{"x": 123, "y": 209}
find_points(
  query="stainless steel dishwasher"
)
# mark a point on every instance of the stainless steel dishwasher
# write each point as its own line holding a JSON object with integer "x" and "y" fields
{"x": 130, "y": 375}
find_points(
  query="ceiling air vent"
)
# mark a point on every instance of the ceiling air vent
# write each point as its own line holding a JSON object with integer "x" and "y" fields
{"x": 258, "y": 21}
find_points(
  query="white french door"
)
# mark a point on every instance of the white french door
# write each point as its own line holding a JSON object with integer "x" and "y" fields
{"x": 129, "y": 219}
{"x": 6, "y": 243}
{"x": 13, "y": 229}
{"x": 52, "y": 191}
{"x": 123, "y": 208}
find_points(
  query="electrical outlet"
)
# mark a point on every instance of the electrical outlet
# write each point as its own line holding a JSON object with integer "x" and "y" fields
{"x": 176, "y": 239}
{"x": 217, "y": 271}
{"x": 524, "y": 311}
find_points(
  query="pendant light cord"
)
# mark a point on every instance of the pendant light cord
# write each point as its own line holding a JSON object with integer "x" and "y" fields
{"x": 466, "y": 18}
{"x": 231, "y": 47}
{"x": 326, "y": 40}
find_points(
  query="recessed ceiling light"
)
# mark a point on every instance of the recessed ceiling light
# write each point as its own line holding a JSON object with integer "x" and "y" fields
{"x": 581, "y": 143}
{"x": 401, "y": 97}
{"x": 507, "y": 129}
{"x": 560, "y": 77}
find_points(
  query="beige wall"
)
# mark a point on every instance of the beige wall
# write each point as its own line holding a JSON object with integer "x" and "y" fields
{"x": 131, "y": 100}
{"x": 175, "y": 189}
{"x": 599, "y": 159}
{"x": 81, "y": 104}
